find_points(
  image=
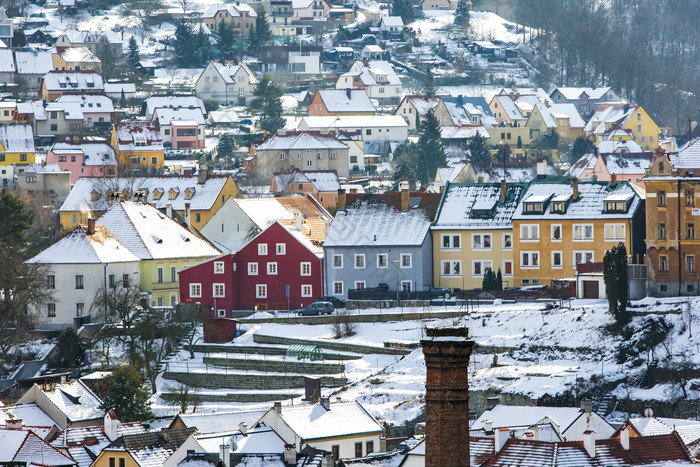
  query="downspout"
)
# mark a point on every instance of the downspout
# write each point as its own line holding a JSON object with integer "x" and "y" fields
{"x": 680, "y": 257}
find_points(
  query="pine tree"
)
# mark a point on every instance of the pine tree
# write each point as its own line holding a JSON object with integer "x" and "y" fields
{"x": 429, "y": 83}
{"x": 127, "y": 395}
{"x": 262, "y": 34}
{"x": 490, "y": 281}
{"x": 184, "y": 39}
{"x": 615, "y": 277}
{"x": 499, "y": 280}
{"x": 228, "y": 36}
{"x": 267, "y": 104}
{"x": 478, "y": 149}
{"x": 404, "y": 9}
{"x": 581, "y": 146}
{"x": 462, "y": 15}
{"x": 203, "y": 47}
{"x": 431, "y": 153}
{"x": 133, "y": 55}
{"x": 405, "y": 158}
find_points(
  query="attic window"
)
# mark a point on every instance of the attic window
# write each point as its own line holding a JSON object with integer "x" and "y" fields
{"x": 157, "y": 239}
{"x": 618, "y": 203}
{"x": 172, "y": 194}
{"x": 559, "y": 204}
{"x": 71, "y": 397}
{"x": 484, "y": 207}
{"x": 535, "y": 204}
{"x": 157, "y": 193}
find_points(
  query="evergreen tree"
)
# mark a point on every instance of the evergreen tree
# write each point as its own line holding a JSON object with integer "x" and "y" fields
{"x": 462, "y": 15}
{"x": 203, "y": 47}
{"x": 71, "y": 349}
{"x": 429, "y": 83}
{"x": 478, "y": 148}
{"x": 111, "y": 58}
{"x": 431, "y": 153}
{"x": 228, "y": 36}
{"x": 404, "y": 9}
{"x": 615, "y": 277}
{"x": 184, "y": 39}
{"x": 262, "y": 34}
{"x": 519, "y": 144}
{"x": 503, "y": 154}
{"x": 405, "y": 159}
{"x": 127, "y": 395}
{"x": 499, "y": 280}
{"x": 490, "y": 280}
{"x": 581, "y": 146}
{"x": 133, "y": 55}
{"x": 267, "y": 104}
{"x": 550, "y": 140}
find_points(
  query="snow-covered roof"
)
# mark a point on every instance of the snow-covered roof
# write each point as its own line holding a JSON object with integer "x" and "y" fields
{"x": 72, "y": 81}
{"x": 478, "y": 206}
{"x": 138, "y": 135}
{"x": 463, "y": 132}
{"x": 7, "y": 64}
{"x": 95, "y": 153}
{"x": 517, "y": 93}
{"x": 346, "y": 100}
{"x": 423, "y": 104}
{"x": 689, "y": 430}
{"x": 392, "y": 21}
{"x": 590, "y": 203}
{"x": 30, "y": 414}
{"x": 75, "y": 401}
{"x": 17, "y": 138}
{"x": 289, "y": 141}
{"x": 610, "y": 113}
{"x": 218, "y": 422}
{"x": 507, "y": 416}
{"x": 89, "y": 103}
{"x": 78, "y": 55}
{"x": 235, "y": 10}
{"x": 462, "y": 108}
{"x": 373, "y": 49}
{"x": 324, "y": 122}
{"x": 33, "y": 62}
{"x": 585, "y": 162}
{"x": 322, "y": 180}
{"x": 509, "y": 108}
{"x": 611, "y": 146}
{"x": 25, "y": 446}
{"x": 151, "y": 449}
{"x": 150, "y": 234}
{"x": 688, "y": 157}
{"x": 229, "y": 70}
{"x": 80, "y": 248}
{"x": 371, "y": 73}
{"x": 206, "y": 194}
{"x": 622, "y": 164}
{"x": 315, "y": 422}
{"x": 167, "y": 116}
{"x": 572, "y": 93}
{"x": 377, "y": 225}
{"x": 117, "y": 88}
{"x": 224, "y": 116}
{"x": 560, "y": 111}
{"x": 51, "y": 168}
{"x": 174, "y": 101}
{"x": 71, "y": 110}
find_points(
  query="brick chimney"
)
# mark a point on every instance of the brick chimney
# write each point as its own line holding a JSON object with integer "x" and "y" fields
{"x": 14, "y": 424}
{"x": 326, "y": 403}
{"x": 589, "y": 443}
{"x": 202, "y": 175}
{"x": 625, "y": 439}
{"x": 405, "y": 200}
{"x": 613, "y": 180}
{"x": 504, "y": 189}
{"x": 575, "y": 187}
{"x": 342, "y": 200}
{"x": 91, "y": 226}
{"x": 447, "y": 352}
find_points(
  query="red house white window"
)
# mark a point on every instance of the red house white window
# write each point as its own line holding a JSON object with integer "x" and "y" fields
{"x": 219, "y": 290}
{"x": 281, "y": 248}
{"x": 272, "y": 269}
{"x": 261, "y": 291}
{"x": 218, "y": 267}
{"x": 252, "y": 269}
{"x": 306, "y": 290}
{"x": 262, "y": 249}
{"x": 195, "y": 290}
{"x": 305, "y": 269}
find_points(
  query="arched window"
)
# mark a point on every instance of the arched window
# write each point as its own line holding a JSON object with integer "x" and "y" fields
{"x": 661, "y": 166}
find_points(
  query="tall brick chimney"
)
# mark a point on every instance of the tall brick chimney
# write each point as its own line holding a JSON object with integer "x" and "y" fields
{"x": 341, "y": 200}
{"x": 447, "y": 352}
{"x": 405, "y": 200}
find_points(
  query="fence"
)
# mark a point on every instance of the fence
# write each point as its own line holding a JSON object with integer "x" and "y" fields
{"x": 374, "y": 294}
{"x": 527, "y": 295}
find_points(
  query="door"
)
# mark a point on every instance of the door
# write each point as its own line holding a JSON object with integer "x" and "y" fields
{"x": 590, "y": 289}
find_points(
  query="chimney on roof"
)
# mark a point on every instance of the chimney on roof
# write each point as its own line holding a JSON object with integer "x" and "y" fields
{"x": 299, "y": 220}
{"x": 290, "y": 454}
{"x": 91, "y": 226}
{"x": 487, "y": 425}
{"x": 14, "y": 424}
{"x": 613, "y": 180}
{"x": 575, "y": 189}
{"x": 112, "y": 426}
{"x": 326, "y": 403}
{"x": 492, "y": 402}
{"x": 187, "y": 214}
{"x": 587, "y": 406}
{"x": 243, "y": 428}
{"x": 169, "y": 210}
{"x": 202, "y": 175}
{"x": 589, "y": 443}
{"x": 693, "y": 126}
{"x": 225, "y": 454}
{"x": 341, "y": 200}
{"x": 625, "y": 439}
{"x": 405, "y": 200}
{"x": 504, "y": 189}
{"x": 541, "y": 168}
{"x": 277, "y": 407}
{"x": 447, "y": 352}
{"x": 500, "y": 437}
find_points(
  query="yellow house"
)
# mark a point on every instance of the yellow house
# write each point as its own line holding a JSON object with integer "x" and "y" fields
{"x": 75, "y": 58}
{"x": 562, "y": 118}
{"x": 138, "y": 450}
{"x": 138, "y": 145}
{"x": 628, "y": 116}
{"x": 559, "y": 224}
{"x": 473, "y": 233}
{"x": 16, "y": 145}
{"x": 507, "y": 112}
{"x": 194, "y": 198}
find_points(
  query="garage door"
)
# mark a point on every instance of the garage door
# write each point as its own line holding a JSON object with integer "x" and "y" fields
{"x": 590, "y": 289}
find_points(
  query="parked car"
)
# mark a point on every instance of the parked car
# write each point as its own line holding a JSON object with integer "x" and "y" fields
{"x": 337, "y": 303}
{"x": 316, "y": 308}
{"x": 440, "y": 292}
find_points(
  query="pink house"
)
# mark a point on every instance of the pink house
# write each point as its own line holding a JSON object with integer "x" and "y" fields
{"x": 181, "y": 128}
{"x": 83, "y": 160}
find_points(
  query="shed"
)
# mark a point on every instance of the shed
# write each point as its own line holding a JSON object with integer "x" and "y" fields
{"x": 305, "y": 352}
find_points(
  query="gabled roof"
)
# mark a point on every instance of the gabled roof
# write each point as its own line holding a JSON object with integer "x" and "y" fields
{"x": 509, "y": 108}
{"x": 17, "y": 138}
{"x": 7, "y": 64}
{"x": 585, "y": 162}
{"x": 149, "y": 234}
{"x": 617, "y": 113}
{"x": 688, "y": 157}
{"x": 480, "y": 450}
{"x": 33, "y": 62}
{"x": 74, "y": 400}
{"x": 82, "y": 80}
{"x": 459, "y": 201}
{"x": 94, "y": 153}
{"x": 625, "y": 163}
{"x": 235, "y": 10}
{"x": 173, "y": 101}
{"x": 611, "y": 146}
{"x": 229, "y": 70}
{"x": 423, "y": 104}
{"x": 30, "y": 414}
{"x": 77, "y": 55}
{"x": 342, "y": 122}
{"x": 218, "y": 422}
{"x": 166, "y": 116}
{"x": 300, "y": 140}
{"x": 560, "y": 111}
{"x": 80, "y": 248}
{"x": 392, "y": 21}
{"x": 346, "y": 100}
{"x": 688, "y": 430}
{"x": 129, "y": 132}
{"x": 322, "y": 180}
{"x": 507, "y": 416}
{"x": 151, "y": 449}
{"x": 572, "y": 93}
{"x": 428, "y": 202}
{"x": 25, "y": 446}
{"x": 89, "y": 103}
{"x": 461, "y": 108}
{"x": 368, "y": 73}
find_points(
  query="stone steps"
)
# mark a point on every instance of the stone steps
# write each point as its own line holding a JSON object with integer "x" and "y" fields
{"x": 245, "y": 381}
{"x": 276, "y": 366}
{"x": 342, "y": 347}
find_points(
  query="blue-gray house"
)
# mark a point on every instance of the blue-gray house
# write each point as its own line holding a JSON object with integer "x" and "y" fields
{"x": 371, "y": 243}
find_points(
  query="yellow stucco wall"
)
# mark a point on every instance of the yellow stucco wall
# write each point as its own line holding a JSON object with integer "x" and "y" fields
{"x": 103, "y": 459}
{"x": 164, "y": 293}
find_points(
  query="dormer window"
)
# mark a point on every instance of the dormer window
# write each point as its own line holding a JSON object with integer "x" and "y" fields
{"x": 173, "y": 192}
{"x": 157, "y": 193}
{"x": 535, "y": 204}
{"x": 189, "y": 192}
{"x": 95, "y": 195}
{"x": 618, "y": 204}
{"x": 661, "y": 166}
{"x": 559, "y": 204}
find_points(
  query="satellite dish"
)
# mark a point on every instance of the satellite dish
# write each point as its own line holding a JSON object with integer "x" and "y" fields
{"x": 232, "y": 443}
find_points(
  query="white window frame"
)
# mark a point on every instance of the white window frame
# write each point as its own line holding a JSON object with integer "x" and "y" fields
{"x": 281, "y": 249}
{"x": 358, "y": 256}
{"x": 484, "y": 264}
{"x": 215, "y": 294}
{"x": 253, "y": 269}
{"x": 530, "y": 255}
{"x": 260, "y": 290}
{"x": 582, "y": 237}
{"x": 410, "y": 260}
{"x": 616, "y": 228}
{"x": 503, "y": 268}
{"x": 482, "y": 240}
{"x": 262, "y": 249}
{"x": 304, "y": 265}
{"x": 360, "y": 285}
{"x": 340, "y": 257}
{"x": 451, "y": 265}
{"x": 386, "y": 260}
{"x": 272, "y": 268}
{"x": 533, "y": 233}
{"x": 503, "y": 240}
{"x": 561, "y": 232}
{"x": 584, "y": 253}
{"x": 221, "y": 313}
{"x": 218, "y": 267}
{"x": 196, "y": 290}
{"x": 561, "y": 260}
{"x": 410, "y": 286}
{"x": 335, "y": 287}
{"x": 307, "y": 290}
{"x": 451, "y": 242}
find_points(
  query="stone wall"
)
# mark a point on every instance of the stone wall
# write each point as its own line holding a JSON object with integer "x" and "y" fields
{"x": 277, "y": 366}
{"x": 363, "y": 349}
{"x": 239, "y": 381}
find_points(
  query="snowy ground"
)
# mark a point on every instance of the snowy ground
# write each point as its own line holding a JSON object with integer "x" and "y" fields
{"x": 539, "y": 352}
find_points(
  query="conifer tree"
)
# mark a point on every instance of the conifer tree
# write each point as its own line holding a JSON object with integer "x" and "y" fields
{"x": 228, "y": 35}
{"x": 133, "y": 55}
{"x": 615, "y": 277}
{"x": 478, "y": 148}
{"x": 431, "y": 153}
{"x": 404, "y": 9}
{"x": 267, "y": 104}
{"x": 262, "y": 34}
{"x": 462, "y": 15}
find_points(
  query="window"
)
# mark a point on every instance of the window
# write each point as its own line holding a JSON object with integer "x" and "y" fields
{"x": 661, "y": 198}
{"x": 79, "y": 281}
{"x": 173, "y": 274}
{"x": 556, "y": 259}
{"x": 614, "y": 231}
{"x": 195, "y": 290}
{"x": 507, "y": 268}
{"x": 530, "y": 259}
{"x": 51, "y": 310}
{"x": 306, "y": 290}
{"x": 690, "y": 230}
{"x": 405, "y": 260}
{"x": 689, "y": 198}
{"x": 79, "y": 309}
{"x": 582, "y": 257}
{"x": 451, "y": 241}
{"x": 218, "y": 267}
{"x": 479, "y": 268}
{"x": 382, "y": 260}
{"x": 689, "y": 263}
{"x": 663, "y": 263}
{"x": 661, "y": 231}
{"x": 160, "y": 274}
{"x": 198, "y": 218}
{"x": 272, "y": 269}
{"x": 406, "y": 286}
{"x": 335, "y": 451}
{"x": 51, "y": 281}
{"x": 125, "y": 280}
{"x": 332, "y": 155}
{"x": 252, "y": 269}
{"x": 112, "y": 462}
{"x": 369, "y": 447}
{"x": 262, "y": 249}
{"x": 221, "y": 313}
{"x": 530, "y": 232}
{"x": 583, "y": 232}
{"x": 338, "y": 288}
{"x": 507, "y": 241}
{"x": 337, "y": 261}
{"x": 359, "y": 261}
{"x": 639, "y": 128}
{"x": 360, "y": 285}
{"x": 261, "y": 291}
{"x": 451, "y": 268}
{"x": 281, "y": 248}
{"x": 481, "y": 241}
{"x": 556, "y": 232}
{"x": 111, "y": 281}
{"x": 358, "y": 449}
{"x": 309, "y": 163}
{"x": 305, "y": 269}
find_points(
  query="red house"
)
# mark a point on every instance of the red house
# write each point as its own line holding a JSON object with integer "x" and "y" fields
{"x": 280, "y": 269}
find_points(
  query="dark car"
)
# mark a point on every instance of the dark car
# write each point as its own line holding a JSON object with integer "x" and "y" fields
{"x": 337, "y": 303}
{"x": 316, "y": 308}
{"x": 440, "y": 292}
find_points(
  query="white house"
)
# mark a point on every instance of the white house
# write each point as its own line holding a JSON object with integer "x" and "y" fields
{"x": 378, "y": 128}
{"x": 7, "y": 66}
{"x": 376, "y": 77}
{"x": 175, "y": 101}
{"x": 229, "y": 84}
{"x": 81, "y": 263}
{"x": 32, "y": 65}
{"x": 316, "y": 10}
{"x": 97, "y": 108}
{"x": 345, "y": 429}
{"x": 68, "y": 404}
{"x": 391, "y": 25}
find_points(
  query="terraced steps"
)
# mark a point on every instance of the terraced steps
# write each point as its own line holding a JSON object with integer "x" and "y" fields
{"x": 262, "y": 350}
{"x": 276, "y": 366}
{"x": 339, "y": 346}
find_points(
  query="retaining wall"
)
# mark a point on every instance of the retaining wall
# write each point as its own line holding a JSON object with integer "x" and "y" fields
{"x": 363, "y": 349}
{"x": 277, "y": 366}
{"x": 238, "y": 381}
